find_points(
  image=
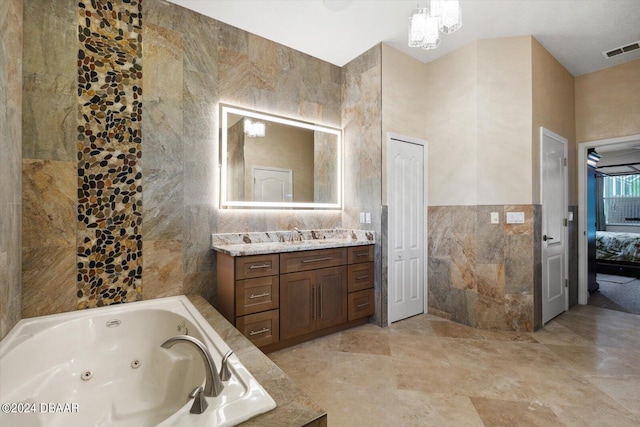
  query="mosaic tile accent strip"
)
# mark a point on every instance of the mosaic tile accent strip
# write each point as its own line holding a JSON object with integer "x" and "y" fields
{"x": 109, "y": 234}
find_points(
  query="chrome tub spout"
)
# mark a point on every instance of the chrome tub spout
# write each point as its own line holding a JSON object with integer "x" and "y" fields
{"x": 213, "y": 385}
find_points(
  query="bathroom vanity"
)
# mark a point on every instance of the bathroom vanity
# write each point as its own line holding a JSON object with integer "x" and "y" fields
{"x": 285, "y": 292}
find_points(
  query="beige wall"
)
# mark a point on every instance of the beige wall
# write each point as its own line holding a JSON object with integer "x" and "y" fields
{"x": 451, "y": 127}
{"x": 404, "y": 100}
{"x": 503, "y": 173}
{"x": 607, "y": 103}
{"x": 478, "y": 124}
{"x": 553, "y": 108}
{"x": 480, "y": 109}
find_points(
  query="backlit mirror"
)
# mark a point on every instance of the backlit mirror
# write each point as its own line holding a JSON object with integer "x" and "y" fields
{"x": 273, "y": 162}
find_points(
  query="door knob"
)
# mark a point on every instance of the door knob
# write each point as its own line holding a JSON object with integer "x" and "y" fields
{"x": 545, "y": 238}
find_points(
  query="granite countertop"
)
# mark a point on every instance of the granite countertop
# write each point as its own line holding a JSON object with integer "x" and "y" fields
{"x": 258, "y": 243}
{"x": 294, "y": 408}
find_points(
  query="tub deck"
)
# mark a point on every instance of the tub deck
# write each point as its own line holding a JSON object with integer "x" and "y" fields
{"x": 294, "y": 408}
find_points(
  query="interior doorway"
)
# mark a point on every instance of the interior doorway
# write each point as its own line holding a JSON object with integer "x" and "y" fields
{"x": 406, "y": 243}
{"x": 618, "y": 147}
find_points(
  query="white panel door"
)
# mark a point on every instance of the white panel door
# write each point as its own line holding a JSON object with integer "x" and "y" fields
{"x": 272, "y": 185}
{"x": 554, "y": 231}
{"x": 406, "y": 229}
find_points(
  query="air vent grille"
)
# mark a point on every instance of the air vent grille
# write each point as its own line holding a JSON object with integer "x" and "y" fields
{"x": 622, "y": 49}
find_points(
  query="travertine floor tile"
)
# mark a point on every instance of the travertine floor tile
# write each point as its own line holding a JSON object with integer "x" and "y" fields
{"x": 506, "y": 413}
{"x": 582, "y": 369}
{"x": 420, "y": 409}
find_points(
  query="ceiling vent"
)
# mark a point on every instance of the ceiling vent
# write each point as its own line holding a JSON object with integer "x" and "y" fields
{"x": 622, "y": 49}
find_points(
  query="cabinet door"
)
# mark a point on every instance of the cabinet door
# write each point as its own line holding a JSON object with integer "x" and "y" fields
{"x": 297, "y": 304}
{"x": 332, "y": 296}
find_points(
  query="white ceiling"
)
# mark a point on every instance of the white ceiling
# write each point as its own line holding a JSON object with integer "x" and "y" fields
{"x": 576, "y": 32}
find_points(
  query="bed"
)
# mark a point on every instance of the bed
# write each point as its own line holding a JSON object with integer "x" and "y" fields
{"x": 618, "y": 253}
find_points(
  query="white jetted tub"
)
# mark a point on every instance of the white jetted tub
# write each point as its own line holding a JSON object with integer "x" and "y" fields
{"x": 106, "y": 367}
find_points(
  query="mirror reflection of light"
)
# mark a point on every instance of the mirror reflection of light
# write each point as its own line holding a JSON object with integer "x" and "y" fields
{"x": 254, "y": 129}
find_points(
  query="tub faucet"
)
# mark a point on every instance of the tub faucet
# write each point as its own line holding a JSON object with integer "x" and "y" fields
{"x": 213, "y": 385}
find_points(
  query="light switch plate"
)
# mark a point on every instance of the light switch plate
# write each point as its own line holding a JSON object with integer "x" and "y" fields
{"x": 495, "y": 218}
{"x": 368, "y": 217}
{"x": 361, "y": 217}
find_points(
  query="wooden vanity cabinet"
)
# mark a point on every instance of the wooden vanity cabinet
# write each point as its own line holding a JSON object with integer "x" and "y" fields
{"x": 360, "y": 290}
{"x": 282, "y": 299}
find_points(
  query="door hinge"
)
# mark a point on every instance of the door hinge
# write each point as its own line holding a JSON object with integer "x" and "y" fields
{"x": 566, "y": 222}
{"x": 565, "y": 161}
{"x": 566, "y": 283}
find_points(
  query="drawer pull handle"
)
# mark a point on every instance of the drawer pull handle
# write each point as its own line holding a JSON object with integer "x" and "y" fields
{"x": 362, "y": 277}
{"x": 362, "y": 305}
{"x": 255, "y": 267}
{"x": 305, "y": 261}
{"x": 264, "y": 294}
{"x": 362, "y": 253}
{"x": 261, "y": 331}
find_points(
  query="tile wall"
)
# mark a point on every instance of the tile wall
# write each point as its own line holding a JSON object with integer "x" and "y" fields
{"x": 191, "y": 63}
{"x": 10, "y": 177}
{"x": 481, "y": 274}
{"x": 362, "y": 124}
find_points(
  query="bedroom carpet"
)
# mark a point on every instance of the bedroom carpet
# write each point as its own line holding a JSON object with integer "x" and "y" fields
{"x": 617, "y": 293}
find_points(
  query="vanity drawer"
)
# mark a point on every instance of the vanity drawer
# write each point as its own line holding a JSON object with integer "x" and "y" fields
{"x": 255, "y": 295}
{"x": 311, "y": 260}
{"x": 360, "y": 276}
{"x": 261, "y": 328}
{"x": 360, "y": 254}
{"x": 256, "y": 266}
{"x": 360, "y": 304}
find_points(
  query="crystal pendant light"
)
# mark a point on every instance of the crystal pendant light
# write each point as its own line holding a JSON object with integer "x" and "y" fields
{"x": 423, "y": 30}
{"x": 426, "y": 24}
{"x": 449, "y": 13}
{"x": 432, "y": 35}
{"x": 417, "y": 27}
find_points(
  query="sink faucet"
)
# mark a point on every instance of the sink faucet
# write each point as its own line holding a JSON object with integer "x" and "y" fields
{"x": 295, "y": 235}
{"x": 213, "y": 384}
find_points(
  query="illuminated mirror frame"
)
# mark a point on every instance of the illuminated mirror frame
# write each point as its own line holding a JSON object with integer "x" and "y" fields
{"x": 224, "y": 203}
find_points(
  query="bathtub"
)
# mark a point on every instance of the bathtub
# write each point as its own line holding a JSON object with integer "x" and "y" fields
{"x": 105, "y": 367}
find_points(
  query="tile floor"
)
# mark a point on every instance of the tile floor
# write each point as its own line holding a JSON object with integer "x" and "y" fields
{"x": 582, "y": 369}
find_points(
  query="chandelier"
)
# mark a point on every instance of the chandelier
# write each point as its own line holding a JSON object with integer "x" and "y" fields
{"x": 426, "y": 24}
